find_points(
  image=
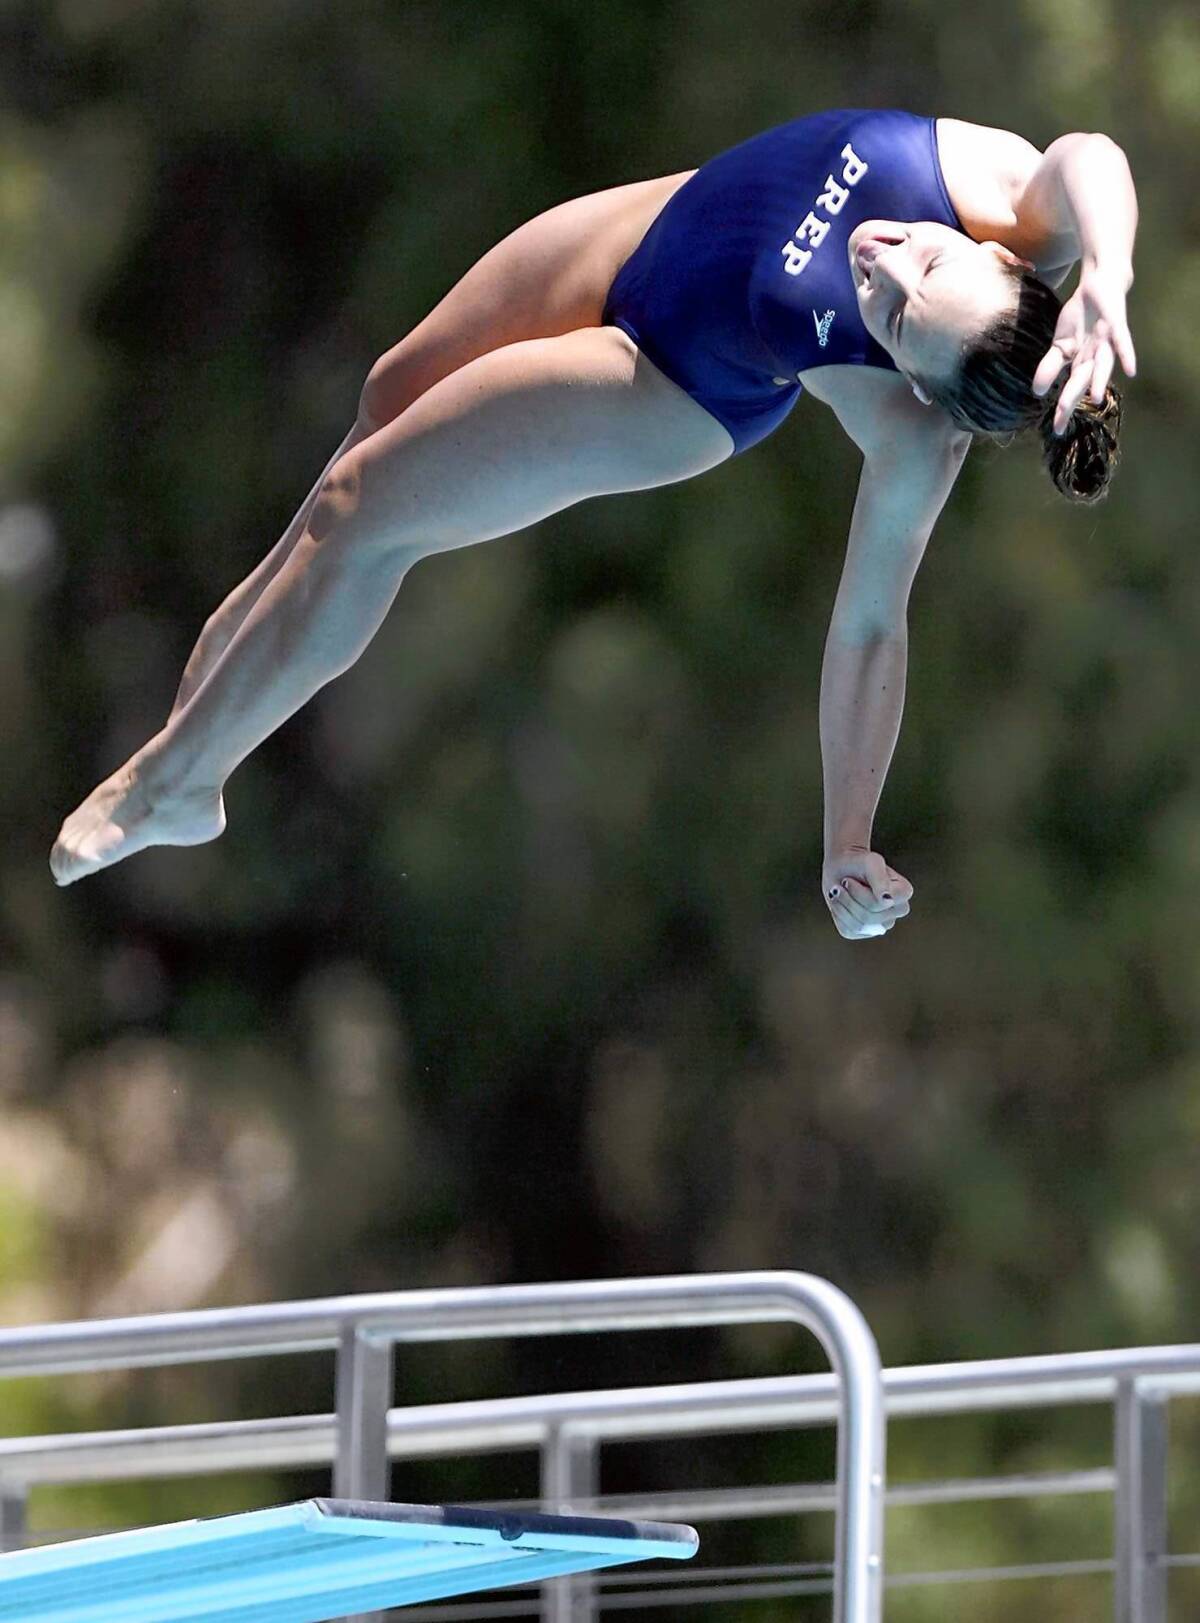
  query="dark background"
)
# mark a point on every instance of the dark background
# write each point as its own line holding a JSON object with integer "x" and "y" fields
{"x": 513, "y": 963}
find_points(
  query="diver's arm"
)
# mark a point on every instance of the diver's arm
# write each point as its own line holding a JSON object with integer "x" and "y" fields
{"x": 1082, "y": 194}
{"x": 1081, "y": 201}
{"x": 903, "y": 487}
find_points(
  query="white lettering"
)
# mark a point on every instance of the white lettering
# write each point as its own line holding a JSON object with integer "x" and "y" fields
{"x": 855, "y": 167}
{"x": 816, "y": 230}
{"x": 795, "y": 259}
{"x": 812, "y": 229}
{"x": 833, "y": 196}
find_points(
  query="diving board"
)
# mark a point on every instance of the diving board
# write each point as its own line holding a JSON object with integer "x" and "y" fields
{"x": 322, "y": 1558}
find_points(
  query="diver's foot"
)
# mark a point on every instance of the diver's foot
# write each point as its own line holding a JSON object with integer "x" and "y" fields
{"x": 124, "y": 815}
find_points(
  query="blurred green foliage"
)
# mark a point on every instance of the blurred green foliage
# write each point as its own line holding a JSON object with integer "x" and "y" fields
{"x": 513, "y": 963}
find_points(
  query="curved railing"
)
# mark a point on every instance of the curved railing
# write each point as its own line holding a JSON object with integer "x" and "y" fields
{"x": 365, "y": 1329}
{"x": 569, "y": 1429}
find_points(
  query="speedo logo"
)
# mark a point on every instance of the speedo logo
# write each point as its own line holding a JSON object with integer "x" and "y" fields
{"x": 812, "y": 228}
{"x": 823, "y": 325}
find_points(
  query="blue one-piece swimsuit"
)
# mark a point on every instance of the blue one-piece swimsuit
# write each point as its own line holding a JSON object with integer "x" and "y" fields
{"x": 744, "y": 278}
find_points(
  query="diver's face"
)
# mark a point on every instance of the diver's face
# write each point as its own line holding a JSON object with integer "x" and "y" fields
{"x": 924, "y": 289}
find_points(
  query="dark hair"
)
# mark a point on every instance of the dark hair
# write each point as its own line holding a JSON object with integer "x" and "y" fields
{"x": 992, "y": 394}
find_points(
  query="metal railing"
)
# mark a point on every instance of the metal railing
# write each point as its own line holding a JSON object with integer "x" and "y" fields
{"x": 364, "y": 1330}
{"x": 569, "y": 1430}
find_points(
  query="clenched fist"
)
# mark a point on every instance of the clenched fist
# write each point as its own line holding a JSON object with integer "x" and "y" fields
{"x": 864, "y": 896}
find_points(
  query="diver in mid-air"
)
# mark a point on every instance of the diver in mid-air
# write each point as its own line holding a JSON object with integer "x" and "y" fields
{"x": 898, "y": 268}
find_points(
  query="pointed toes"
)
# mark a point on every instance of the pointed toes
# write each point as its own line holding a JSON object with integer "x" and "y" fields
{"x": 64, "y": 865}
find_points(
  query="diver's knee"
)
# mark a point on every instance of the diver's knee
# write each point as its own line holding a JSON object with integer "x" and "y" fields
{"x": 356, "y": 515}
{"x": 390, "y": 386}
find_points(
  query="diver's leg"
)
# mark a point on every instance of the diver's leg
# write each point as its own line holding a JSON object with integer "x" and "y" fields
{"x": 222, "y": 625}
{"x": 502, "y": 442}
{"x": 548, "y": 277}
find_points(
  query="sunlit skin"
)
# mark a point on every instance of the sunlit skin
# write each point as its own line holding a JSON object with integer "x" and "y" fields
{"x": 925, "y": 289}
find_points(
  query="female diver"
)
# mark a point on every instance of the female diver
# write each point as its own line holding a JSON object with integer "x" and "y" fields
{"x": 898, "y": 268}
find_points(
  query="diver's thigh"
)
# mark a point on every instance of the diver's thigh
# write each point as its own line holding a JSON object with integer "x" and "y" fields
{"x": 549, "y": 277}
{"x": 522, "y": 432}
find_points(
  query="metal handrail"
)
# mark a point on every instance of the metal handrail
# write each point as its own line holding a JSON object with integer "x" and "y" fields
{"x": 1134, "y": 1381}
{"x": 690, "y": 1409}
{"x": 693, "y": 1409}
{"x": 364, "y": 1330}
{"x": 474, "y": 1312}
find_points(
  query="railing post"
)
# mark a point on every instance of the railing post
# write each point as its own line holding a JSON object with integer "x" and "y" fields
{"x": 1140, "y": 1541}
{"x": 361, "y": 1468}
{"x": 861, "y": 1449}
{"x": 570, "y": 1483}
{"x": 14, "y": 1510}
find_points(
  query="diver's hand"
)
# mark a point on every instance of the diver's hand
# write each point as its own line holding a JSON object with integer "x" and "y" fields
{"x": 864, "y": 896}
{"x": 1092, "y": 331}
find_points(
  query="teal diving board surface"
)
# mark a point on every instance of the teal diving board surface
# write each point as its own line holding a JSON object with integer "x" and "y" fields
{"x": 319, "y": 1559}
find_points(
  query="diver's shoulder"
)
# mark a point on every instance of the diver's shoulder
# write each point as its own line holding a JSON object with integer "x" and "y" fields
{"x": 985, "y": 169}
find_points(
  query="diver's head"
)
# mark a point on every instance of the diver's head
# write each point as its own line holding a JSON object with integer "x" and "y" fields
{"x": 968, "y": 323}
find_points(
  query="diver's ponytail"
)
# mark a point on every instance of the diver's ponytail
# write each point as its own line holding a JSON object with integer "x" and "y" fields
{"x": 1082, "y": 461}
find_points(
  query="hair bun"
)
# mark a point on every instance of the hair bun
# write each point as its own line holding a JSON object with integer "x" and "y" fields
{"x": 1082, "y": 462}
